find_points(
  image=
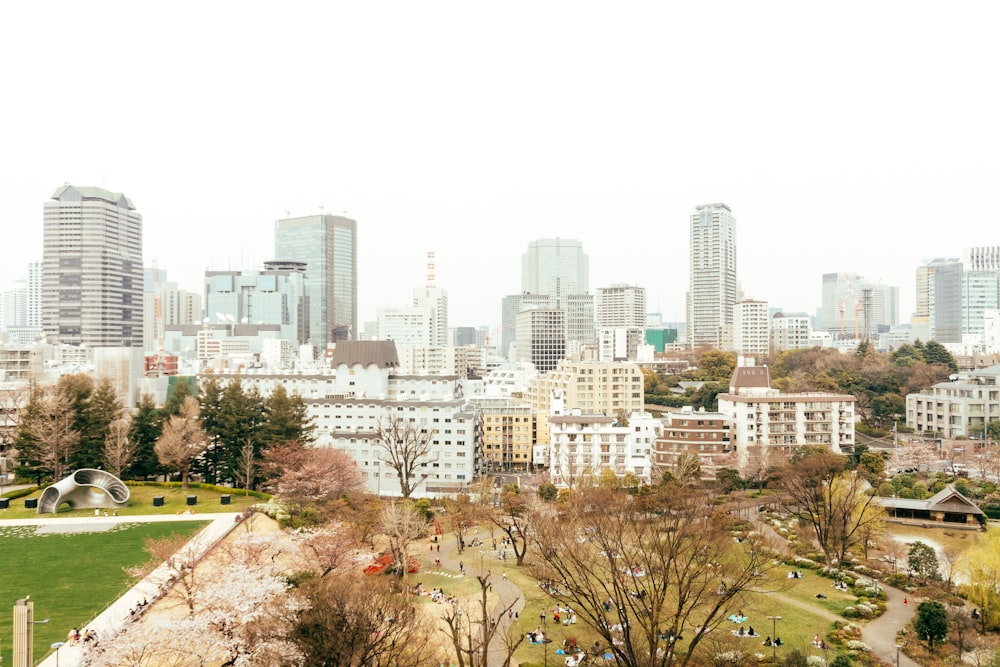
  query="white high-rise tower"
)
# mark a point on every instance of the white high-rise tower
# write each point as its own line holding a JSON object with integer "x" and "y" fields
{"x": 713, "y": 288}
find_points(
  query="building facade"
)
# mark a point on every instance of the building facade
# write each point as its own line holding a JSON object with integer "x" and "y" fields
{"x": 706, "y": 435}
{"x": 328, "y": 244}
{"x": 712, "y": 289}
{"x": 541, "y": 337}
{"x": 92, "y": 272}
{"x": 959, "y": 408}
{"x": 556, "y": 267}
{"x": 789, "y": 331}
{"x": 751, "y": 329}
{"x": 768, "y": 424}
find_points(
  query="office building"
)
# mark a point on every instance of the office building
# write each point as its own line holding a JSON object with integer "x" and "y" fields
{"x": 854, "y": 307}
{"x": 541, "y": 337}
{"x": 939, "y": 299}
{"x": 556, "y": 267}
{"x": 621, "y": 307}
{"x": 712, "y": 290}
{"x": 92, "y": 275}
{"x": 328, "y": 244}
{"x": 275, "y": 296}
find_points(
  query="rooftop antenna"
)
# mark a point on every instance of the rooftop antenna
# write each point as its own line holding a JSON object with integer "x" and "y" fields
{"x": 430, "y": 269}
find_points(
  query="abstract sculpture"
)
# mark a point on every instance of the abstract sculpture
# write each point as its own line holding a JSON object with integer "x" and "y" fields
{"x": 84, "y": 489}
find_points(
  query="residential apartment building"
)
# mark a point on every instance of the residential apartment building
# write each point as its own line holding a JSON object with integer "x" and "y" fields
{"x": 508, "y": 433}
{"x": 436, "y": 299}
{"x": 751, "y": 329}
{"x": 582, "y": 446}
{"x": 789, "y": 331}
{"x": 712, "y": 289}
{"x": 328, "y": 244}
{"x": 769, "y": 424}
{"x": 621, "y": 307}
{"x": 958, "y": 408}
{"x": 92, "y": 268}
{"x": 592, "y": 387}
{"x": 707, "y": 435}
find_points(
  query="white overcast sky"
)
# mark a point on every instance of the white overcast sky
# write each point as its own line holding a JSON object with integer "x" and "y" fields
{"x": 852, "y": 136}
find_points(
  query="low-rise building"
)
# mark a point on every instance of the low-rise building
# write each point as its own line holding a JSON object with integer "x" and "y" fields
{"x": 958, "y": 408}
{"x": 707, "y": 435}
{"x": 769, "y": 424}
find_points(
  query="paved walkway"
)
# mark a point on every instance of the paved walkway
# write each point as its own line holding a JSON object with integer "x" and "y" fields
{"x": 116, "y": 615}
{"x": 506, "y": 590}
{"x": 880, "y": 634}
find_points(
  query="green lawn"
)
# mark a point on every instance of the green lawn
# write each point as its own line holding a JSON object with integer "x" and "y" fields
{"x": 141, "y": 502}
{"x": 71, "y": 577}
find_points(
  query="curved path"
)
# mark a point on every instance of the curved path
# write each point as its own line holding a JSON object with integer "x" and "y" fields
{"x": 507, "y": 593}
{"x": 880, "y": 633}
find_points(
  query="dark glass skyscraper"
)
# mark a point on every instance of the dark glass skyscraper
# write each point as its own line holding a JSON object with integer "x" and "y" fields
{"x": 328, "y": 244}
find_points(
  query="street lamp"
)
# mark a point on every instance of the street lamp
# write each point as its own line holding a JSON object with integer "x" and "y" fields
{"x": 57, "y": 646}
{"x": 774, "y": 633}
{"x": 24, "y": 632}
{"x": 545, "y": 640}
{"x": 898, "y": 646}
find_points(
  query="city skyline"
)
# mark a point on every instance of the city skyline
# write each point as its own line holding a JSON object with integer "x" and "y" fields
{"x": 425, "y": 127}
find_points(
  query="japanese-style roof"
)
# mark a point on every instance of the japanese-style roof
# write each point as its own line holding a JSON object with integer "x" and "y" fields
{"x": 946, "y": 500}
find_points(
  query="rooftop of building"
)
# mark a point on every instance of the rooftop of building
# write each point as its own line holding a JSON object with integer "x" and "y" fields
{"x": 380, "y": 353}
{"x": 69, "y": 192}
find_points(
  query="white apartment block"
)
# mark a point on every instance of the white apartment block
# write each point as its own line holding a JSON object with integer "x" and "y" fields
{"x": 435, "y": 360}
{"x": 363, "y": 390}
{"x": 582, "y": 446}
{"x": 593, "y": 387}
{"x": 769, "y": 424}
{"x": 621, "y": 307}
{"x": 751, "y": 329}
{"x": 407, "y": 325}
{"x": 790, "y": 331}
{"x": 955, "y": 409}
{"x": 620, "y": 344}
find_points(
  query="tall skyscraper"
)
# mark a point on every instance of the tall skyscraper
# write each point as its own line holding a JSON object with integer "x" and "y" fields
{"x": 713, "y": 288}
{"x": 556, "y": 267}
{"x": 328, "y": 244}
{"x": 939, "y": 299}
{"x": 92, "y": 273}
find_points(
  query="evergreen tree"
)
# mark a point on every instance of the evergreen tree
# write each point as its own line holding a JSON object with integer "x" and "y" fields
{"x": 936, "y": 353}
{"x": 931, "y": 623}
{"x": 287, "y": 419}
{"x": 147, "y": 425}
{"x": 102, "y": 407}
{"x": 179, "y": 388}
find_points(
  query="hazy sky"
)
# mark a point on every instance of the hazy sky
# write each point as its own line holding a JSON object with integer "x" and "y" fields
{"x": 853, "y": 136}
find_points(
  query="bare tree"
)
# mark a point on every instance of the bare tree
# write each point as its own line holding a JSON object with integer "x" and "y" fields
{"x": 836, "y": 503}
{"x": 119, "y": 449}
{"x": 402, "y": 524}
{"x": 894, "y": 552}
{"x": 406, "y": 447}
{"x": 647, "y": 583}
{"x": 472, "y": 627}
{"x": 182, "y": 440}
{"x": 512, "y": 518}
{"x": 245, "y": 468}
{"x": 350, "y": 623}
{"x": 51, "y": 433}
